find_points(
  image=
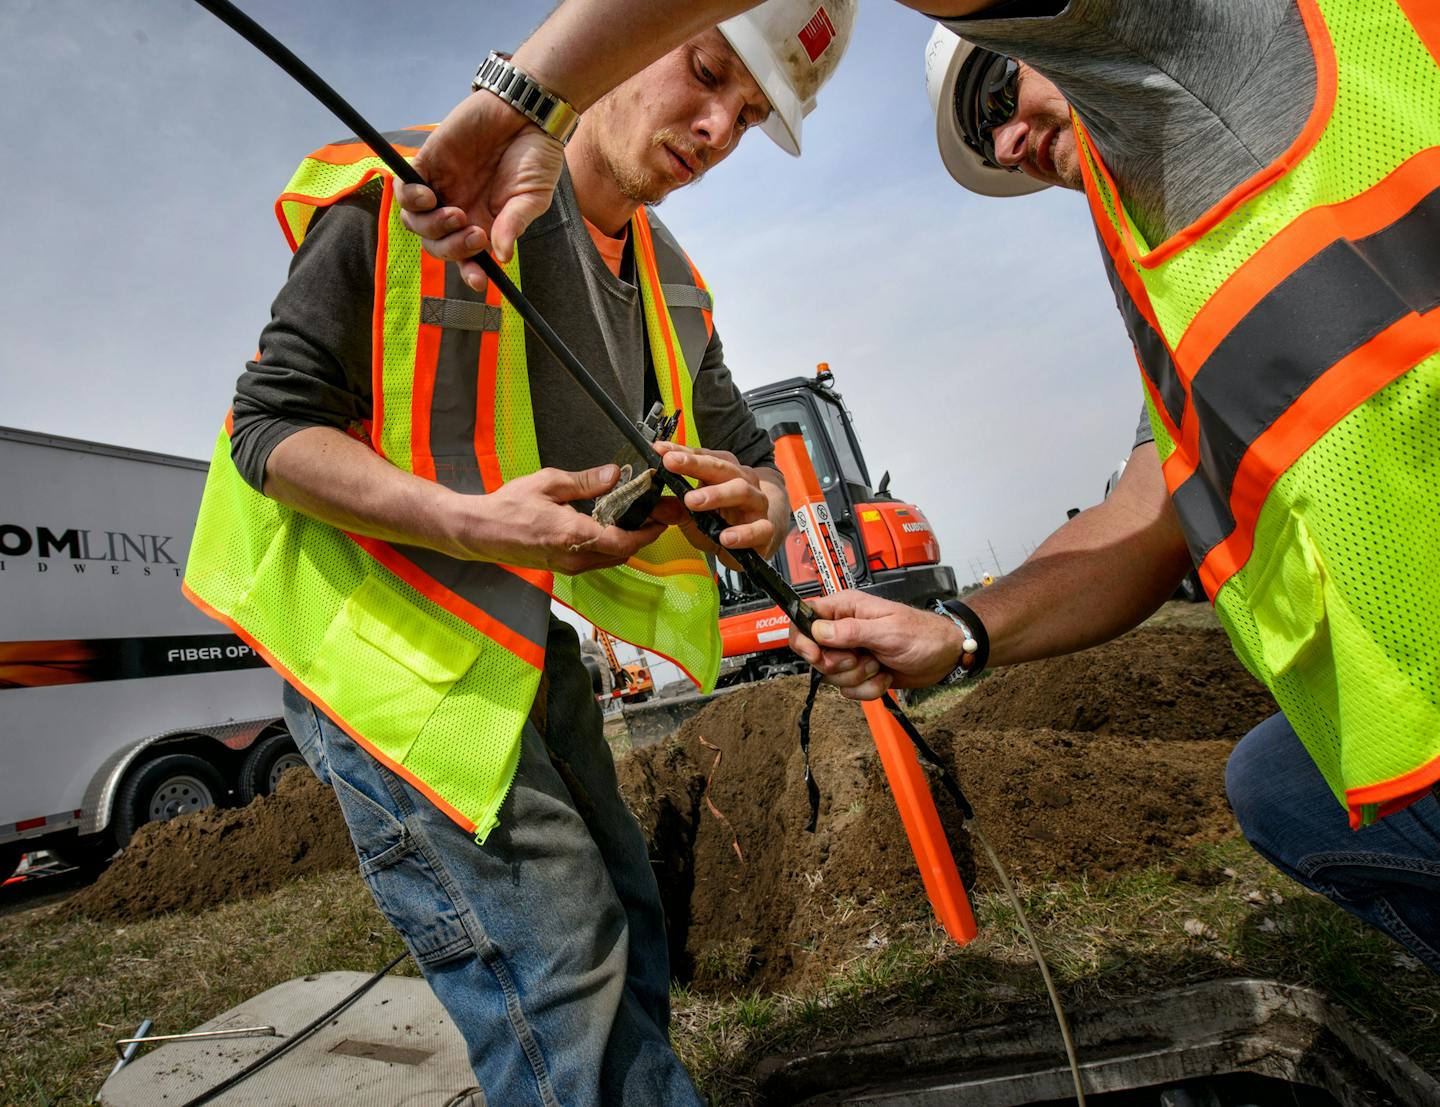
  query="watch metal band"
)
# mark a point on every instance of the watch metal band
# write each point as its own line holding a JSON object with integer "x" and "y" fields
{"x": 546, "y": 109}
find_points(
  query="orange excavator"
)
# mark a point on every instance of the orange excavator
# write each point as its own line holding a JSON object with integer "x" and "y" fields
{"x": 889, "y": 545}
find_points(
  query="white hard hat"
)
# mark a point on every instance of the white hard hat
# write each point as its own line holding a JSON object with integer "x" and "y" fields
{"x": 791, "y": 47}
{"x": 945, "y": 56}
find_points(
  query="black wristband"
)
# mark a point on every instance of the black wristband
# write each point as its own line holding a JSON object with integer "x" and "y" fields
{"x": 977, "y": 631}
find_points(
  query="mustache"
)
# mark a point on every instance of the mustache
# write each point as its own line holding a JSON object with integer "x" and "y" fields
{"x": 1040, "y": 126}
{"x": 696, "y": 155}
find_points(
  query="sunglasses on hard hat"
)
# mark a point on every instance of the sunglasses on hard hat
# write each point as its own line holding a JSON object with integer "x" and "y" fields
{"x": 987, "y": 92}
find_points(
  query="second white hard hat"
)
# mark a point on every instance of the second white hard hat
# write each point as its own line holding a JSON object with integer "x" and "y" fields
{"x": 946, "y": 55}
{"x": 791, "y": 48}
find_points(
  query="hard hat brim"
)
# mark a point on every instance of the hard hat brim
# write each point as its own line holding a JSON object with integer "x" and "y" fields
{"x": 783, "y": 125}
{"x": 964, "y": 164}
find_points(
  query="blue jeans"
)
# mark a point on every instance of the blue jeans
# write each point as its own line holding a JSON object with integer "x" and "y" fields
{"x": 546, "y": 945}
{"x": 1387, "y": 873}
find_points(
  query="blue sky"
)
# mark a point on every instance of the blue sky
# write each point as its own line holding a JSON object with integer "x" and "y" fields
{"x": 975, "y": 340}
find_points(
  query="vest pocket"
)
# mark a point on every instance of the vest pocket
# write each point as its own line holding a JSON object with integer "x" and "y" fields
{"x": 388, "y": 664}
{"x": 1288, "y": 599}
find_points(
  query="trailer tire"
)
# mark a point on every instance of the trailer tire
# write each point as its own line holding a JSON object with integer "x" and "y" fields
{"x": 265, "y": 762}
{"x": 158, "y": 790}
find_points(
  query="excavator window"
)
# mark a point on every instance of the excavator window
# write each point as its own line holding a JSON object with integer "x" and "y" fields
{"x": 794, "y": 411}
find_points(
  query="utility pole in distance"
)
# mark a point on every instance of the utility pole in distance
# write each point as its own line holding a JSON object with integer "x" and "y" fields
{"x": 999, "y": 572}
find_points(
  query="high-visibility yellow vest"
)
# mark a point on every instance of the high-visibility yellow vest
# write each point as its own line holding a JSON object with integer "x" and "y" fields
{"x": 1288, "y": 345}
{"x": 429, "y": 662}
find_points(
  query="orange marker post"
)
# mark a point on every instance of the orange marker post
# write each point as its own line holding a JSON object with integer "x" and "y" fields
{"x": 907, "y": 779}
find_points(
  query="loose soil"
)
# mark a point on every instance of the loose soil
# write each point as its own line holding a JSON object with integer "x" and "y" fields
{"x": 1081, "y": 766}
{"x": 212, "y": 857}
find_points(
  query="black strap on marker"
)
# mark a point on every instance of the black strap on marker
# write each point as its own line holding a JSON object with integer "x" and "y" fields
{"x": 812, "y": 790}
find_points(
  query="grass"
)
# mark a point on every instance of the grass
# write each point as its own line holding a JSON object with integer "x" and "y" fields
{"x": 71, "y": 987}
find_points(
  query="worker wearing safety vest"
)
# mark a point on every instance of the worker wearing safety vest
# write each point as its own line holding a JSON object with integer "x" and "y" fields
{"x": 392, "y": 508}
{"x": 1287, "y": 339}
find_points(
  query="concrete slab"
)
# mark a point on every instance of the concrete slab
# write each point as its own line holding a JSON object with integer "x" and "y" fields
{"x": 395, "y": 1046}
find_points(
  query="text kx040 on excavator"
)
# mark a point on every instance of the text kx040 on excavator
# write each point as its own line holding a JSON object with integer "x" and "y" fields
{"x": 890, "y": 545}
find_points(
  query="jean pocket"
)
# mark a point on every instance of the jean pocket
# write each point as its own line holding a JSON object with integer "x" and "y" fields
{"x": 407, "y": 886}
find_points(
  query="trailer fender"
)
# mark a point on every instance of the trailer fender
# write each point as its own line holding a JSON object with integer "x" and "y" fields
{"x": 98, "y": 809}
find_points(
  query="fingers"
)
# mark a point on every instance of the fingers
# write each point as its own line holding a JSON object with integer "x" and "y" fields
{"x": 748, "y": 536}
{"x": 563, "y": 486}
{"x": 612, "y": 546}
{"x": 418, "y": 199}
{"x": 510, "y": 223}
{"x": 853, "y": 603}
{"x": 706, "y": 466}
{"x": 844, "y": 634}
{"x": 871, "y": 689}
{"x": 474, "y": 276}
{"x": 858, "y": 676}
{"x": 456, "y": 245}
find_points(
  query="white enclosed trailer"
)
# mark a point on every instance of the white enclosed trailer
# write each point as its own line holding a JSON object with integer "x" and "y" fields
{"x": 119, "y": 702}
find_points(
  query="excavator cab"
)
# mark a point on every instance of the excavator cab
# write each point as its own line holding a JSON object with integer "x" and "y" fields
{"x": 889, "y": 544}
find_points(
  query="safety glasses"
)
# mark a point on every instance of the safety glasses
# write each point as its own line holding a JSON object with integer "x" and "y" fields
{"x": 987, "y": 92}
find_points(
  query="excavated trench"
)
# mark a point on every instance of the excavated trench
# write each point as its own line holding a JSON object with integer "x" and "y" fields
{"x": 1077, "y": 767}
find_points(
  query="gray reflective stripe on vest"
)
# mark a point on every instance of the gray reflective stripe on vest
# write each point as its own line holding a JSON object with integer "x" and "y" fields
{"x": 686, "y": 296}
{"x": 677, "y": 286}
{"x": 460, "y": 315}
{"x": 1330, "y": 306}
{"x": 456, "y": 392}
{"x": 410, "y": 138}
{"x": 515, "y": 603}
{"x": 1150, "y": 348}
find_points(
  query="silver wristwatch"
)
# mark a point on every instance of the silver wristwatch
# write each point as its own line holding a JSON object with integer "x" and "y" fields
{"x": 546, "y": 109}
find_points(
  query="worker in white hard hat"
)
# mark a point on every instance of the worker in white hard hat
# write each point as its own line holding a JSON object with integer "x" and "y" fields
{"x": 393, "y": 507}
{"x": 789, "y": 47}
{"x": 1003, "y": 128}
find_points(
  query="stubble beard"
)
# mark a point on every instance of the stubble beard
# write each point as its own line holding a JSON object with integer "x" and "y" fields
{"x": 1068, "y": 175}
{"x": 640, "y": 187}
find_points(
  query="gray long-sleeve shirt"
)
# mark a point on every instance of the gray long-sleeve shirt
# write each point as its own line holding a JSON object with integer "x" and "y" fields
{"x": 314, "y": 364}
{"x": 1185, "y": 98}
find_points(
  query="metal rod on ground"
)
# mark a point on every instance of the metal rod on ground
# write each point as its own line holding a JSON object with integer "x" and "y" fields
{"x": 299, "y": 1036}
{"x": 131, "y": 1044}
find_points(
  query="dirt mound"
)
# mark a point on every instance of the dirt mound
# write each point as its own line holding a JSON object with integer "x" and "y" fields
{"x": 197, "y": 861}
{"x": 754, "y": 900}
{"x": 1158, "y": 682}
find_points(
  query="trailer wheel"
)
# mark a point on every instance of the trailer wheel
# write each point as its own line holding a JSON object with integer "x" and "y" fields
{"x": 265, "y": 763}
{"x": 170, "y": 785}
